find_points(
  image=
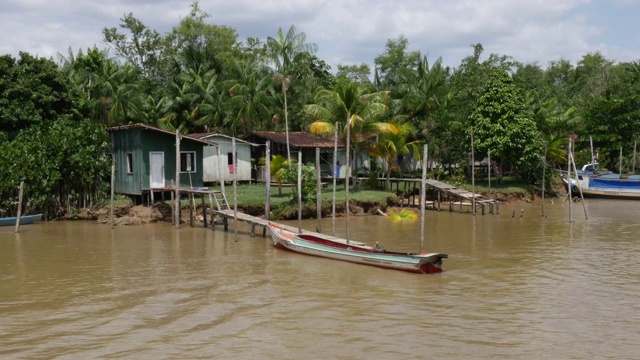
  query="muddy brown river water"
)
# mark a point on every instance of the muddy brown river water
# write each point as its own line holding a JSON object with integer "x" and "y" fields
{"x": 513, "y": 288}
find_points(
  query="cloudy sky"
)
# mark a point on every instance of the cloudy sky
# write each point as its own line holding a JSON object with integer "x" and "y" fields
{"x": 351, "y": 31}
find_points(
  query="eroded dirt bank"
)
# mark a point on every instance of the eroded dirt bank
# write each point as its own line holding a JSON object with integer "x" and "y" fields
{"x": 161, "y": 212}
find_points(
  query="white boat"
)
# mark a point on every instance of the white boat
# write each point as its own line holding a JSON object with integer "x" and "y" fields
{"x": 594, "y": 182}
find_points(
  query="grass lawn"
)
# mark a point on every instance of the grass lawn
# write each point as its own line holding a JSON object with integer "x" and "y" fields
{"x": 255, "y": 194}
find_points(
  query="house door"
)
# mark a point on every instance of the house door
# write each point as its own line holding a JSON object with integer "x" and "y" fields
{"x": 156, "y": 161}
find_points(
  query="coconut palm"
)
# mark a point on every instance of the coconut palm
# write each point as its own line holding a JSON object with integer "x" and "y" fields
{"x": 394, "y": 144}
{"x": 195, "y": 103}
{"x": 282, "y": 50}
{"x": 278, "y": 162}
{"x": 251, "y": 96}
{"x": 355, "y": 109}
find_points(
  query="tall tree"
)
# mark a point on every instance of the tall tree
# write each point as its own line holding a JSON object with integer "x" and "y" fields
{"x": 358, "y": 73}
{"x": 196, "y": 44}
{"x": 503, "y": 123}
{"x": 143, "y": 49}
{"x": 32, "y": 91}
{"x": 397, "y": 62}
{"x": 282, "y": 50}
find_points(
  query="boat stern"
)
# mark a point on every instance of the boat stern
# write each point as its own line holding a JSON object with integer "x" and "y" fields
{"x": 432, "y": 262}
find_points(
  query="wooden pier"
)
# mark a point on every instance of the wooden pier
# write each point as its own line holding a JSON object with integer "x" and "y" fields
{"x": 258, "y": 221}
{"x": 242, "y": 217}
{"x": 462, "y": 196}
{"x": 446, "y": 195}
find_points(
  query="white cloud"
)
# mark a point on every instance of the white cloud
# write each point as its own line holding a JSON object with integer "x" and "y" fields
{"x": 353, "y": 31}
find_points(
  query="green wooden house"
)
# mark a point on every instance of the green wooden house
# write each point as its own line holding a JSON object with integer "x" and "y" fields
{"x": 145, "y": 159}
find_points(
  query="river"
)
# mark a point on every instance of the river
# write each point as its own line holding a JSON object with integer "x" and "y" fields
{"x": 516, "y": 286}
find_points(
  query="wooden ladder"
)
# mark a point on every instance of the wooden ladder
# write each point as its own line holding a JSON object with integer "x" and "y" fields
{"x": 221, "y": 200}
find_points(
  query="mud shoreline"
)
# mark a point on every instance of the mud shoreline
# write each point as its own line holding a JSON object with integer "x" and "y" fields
{"x": 161, "y": 212}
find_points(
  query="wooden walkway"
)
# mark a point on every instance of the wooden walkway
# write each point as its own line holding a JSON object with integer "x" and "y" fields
{"x": 227, "y": 214}
{"x": 462, "y": 196}
{"x": 446, "y": 195}
{"x": 258, "y": 221}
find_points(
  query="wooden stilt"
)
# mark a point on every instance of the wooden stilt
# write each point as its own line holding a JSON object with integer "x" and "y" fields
{"x": 213, "y": 220}
{"x": 191, "y": 210}
{"x": 204, "y": 212}
{"x": 19, "y": 205}
{"x": 173, "y": 215}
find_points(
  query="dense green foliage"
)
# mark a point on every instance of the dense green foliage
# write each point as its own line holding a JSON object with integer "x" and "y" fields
{"x": 45, "y": 142}
{"x": 502, "y": 123}
{"x": 288, "y": 174}
{"x": 200, "y": 77}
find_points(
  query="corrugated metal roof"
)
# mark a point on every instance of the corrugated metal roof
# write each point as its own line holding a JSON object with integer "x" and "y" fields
{"x": 210, "y": 134}
{"x": 153, "y": 128}
{"x": 298, "y": 139}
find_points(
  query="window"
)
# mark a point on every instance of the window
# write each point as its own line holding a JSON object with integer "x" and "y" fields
{"x": 230, "y": 162}
{"x": 129, "y": 163}
{"x": 188, "y": 161}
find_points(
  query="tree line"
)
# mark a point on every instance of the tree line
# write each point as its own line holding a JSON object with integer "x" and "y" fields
{"x": 201, "y": 77}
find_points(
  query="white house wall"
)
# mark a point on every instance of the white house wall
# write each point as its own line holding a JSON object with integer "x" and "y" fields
{"x": 364, "y": 163}
{"x": 211, "y": 166}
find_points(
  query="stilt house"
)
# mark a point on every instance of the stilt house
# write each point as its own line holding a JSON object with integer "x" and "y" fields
{"x": 145, "y": 159}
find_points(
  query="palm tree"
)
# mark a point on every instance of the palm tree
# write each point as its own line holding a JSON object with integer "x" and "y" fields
{"x": 119, "y": 94}
{"x": 251, "y": 95}
{"x": 278, "y": 162}
{"x": 392, "y": 145}
{"x": 195, "y": 103}
{"x": 282, "y": 50}
{"x": 425, "y": 94}
{"x": 350, "y": 105}
{"x": 286, "y": 81}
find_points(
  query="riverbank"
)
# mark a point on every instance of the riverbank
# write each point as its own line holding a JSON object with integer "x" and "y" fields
{"x": 129, "y": 214}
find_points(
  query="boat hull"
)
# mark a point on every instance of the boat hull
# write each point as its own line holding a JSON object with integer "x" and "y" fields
{"x": 358, "y": 253}
{"x": 606, "y": 186}
{"x": 24, "y": 220}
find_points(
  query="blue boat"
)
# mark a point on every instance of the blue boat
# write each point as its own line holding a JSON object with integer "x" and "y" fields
{"x": 24, "y": 220}
{"x": 596, "y": 183}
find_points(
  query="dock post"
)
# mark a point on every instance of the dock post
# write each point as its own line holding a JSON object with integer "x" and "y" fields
{"x": 253, "y": 229}
{"x": 20, "y": 191}
{"x": 173, "y": 216}
{"x": 191, "y": 210}
{"x": 213, "y": 220}
{"x": 176, "y": 203}
{"x": 204, "y": 211}
{"x": 225, "y": 222}
{"x": 318, "y": 192}
{"x": 267, "y": 155}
